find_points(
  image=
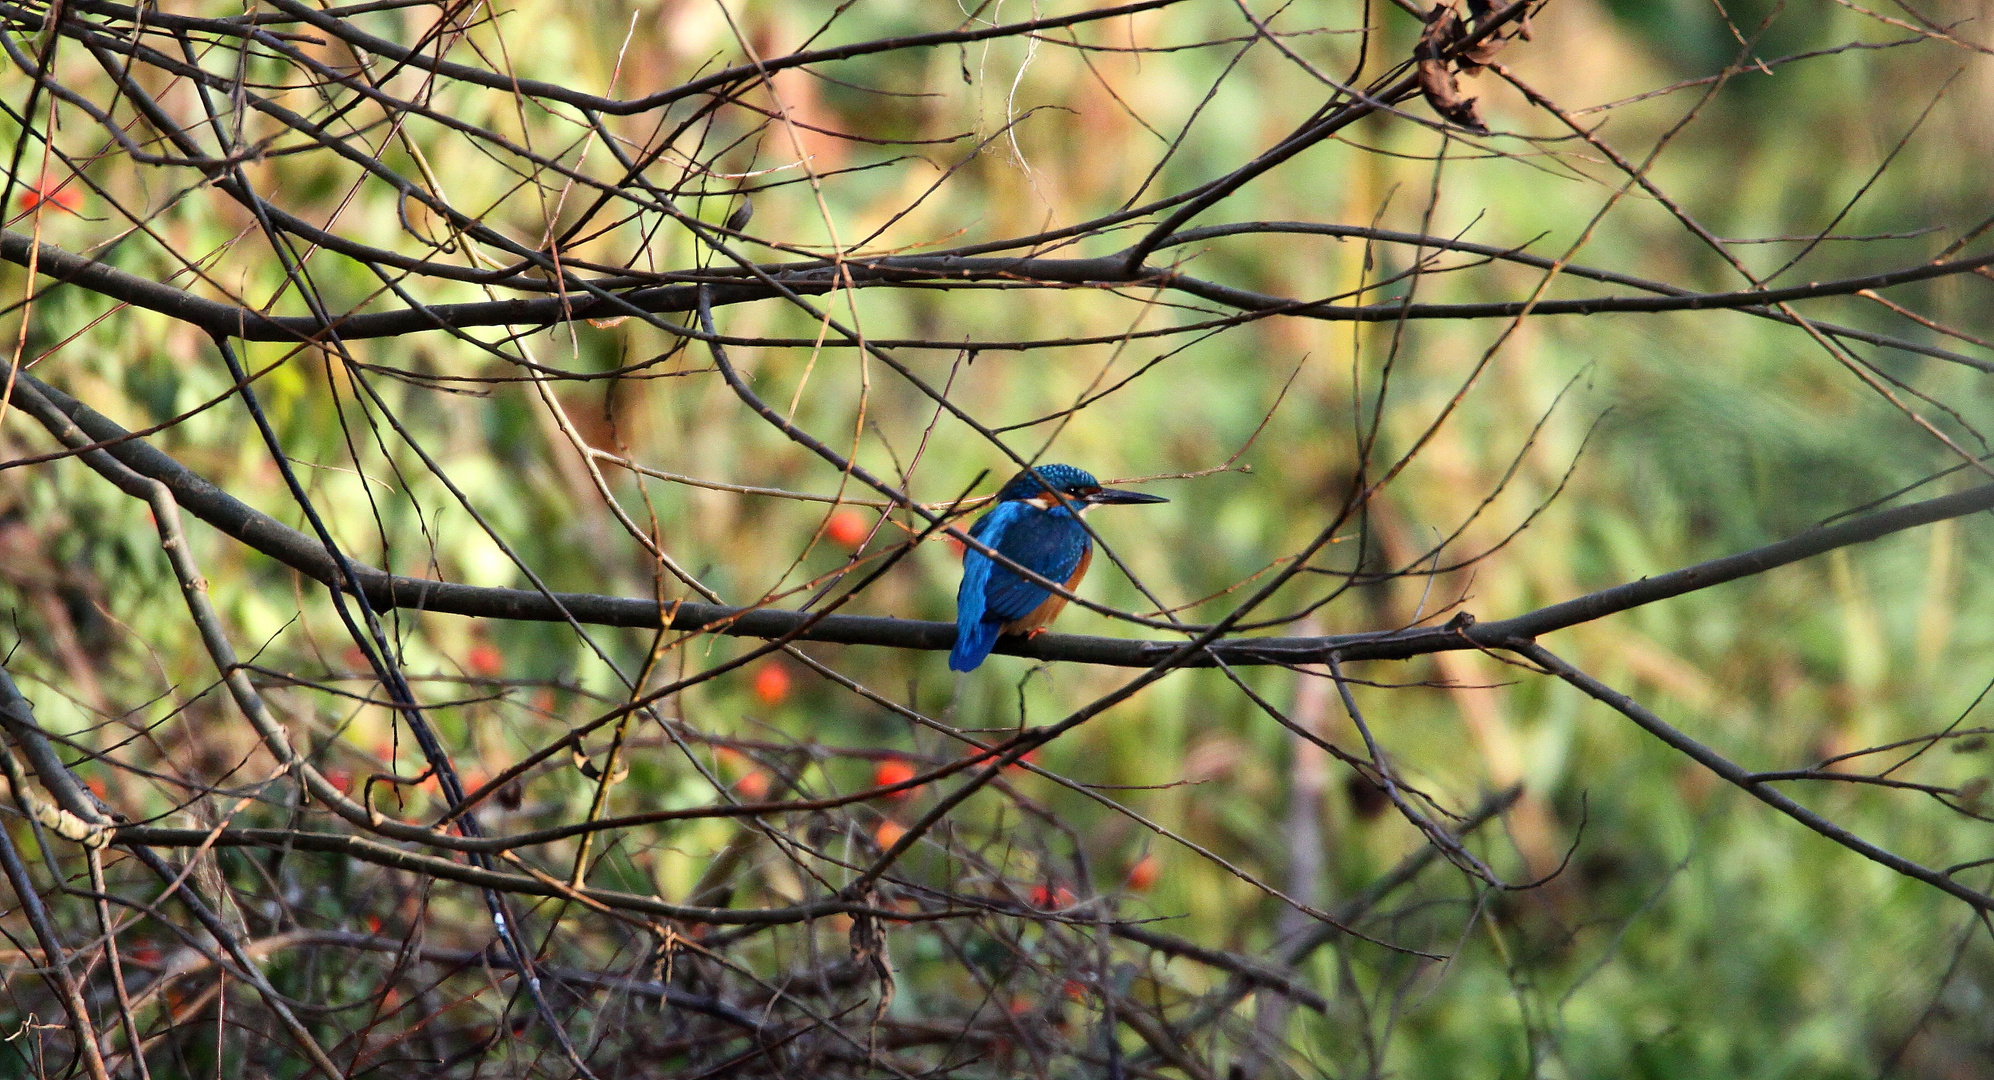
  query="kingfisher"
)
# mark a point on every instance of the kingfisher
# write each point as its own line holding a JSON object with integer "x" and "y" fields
{"x": 1036, "y": 524}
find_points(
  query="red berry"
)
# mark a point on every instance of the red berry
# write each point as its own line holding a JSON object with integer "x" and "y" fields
{"x": 751, "y": 782}
{"x": 753, "y": 786}
{"x": 1142, "y": 876}
{"x": 894, "y": 771}
{"x": 848, "y": 529}
{"x": 484, "y": 660}
{"x": 1050, "y": 897}
{"x": 68, "y": 199}
{"x": 772, "y": 683}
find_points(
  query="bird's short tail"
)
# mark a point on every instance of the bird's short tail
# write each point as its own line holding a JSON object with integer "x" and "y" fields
{"x": 972, "y": 643}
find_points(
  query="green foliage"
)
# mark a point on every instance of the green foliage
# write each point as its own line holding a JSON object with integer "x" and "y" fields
{"x": 1693, "y": 932}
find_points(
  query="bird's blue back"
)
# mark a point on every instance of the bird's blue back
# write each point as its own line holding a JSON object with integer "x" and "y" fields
{"x": 1050, "y": 542}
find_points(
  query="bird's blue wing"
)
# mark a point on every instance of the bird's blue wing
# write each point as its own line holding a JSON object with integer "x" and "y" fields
{"x": 1051, "y": 543}
{"x": 974, "y": 634}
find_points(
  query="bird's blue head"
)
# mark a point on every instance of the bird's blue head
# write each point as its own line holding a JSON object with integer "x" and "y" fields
{"x": 1052, "y": 484}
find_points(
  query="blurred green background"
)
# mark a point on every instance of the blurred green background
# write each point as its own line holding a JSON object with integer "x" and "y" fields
{"x": 1692, "y": 933}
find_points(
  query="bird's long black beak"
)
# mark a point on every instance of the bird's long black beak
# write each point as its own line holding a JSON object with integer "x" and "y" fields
{"x": 1113, "y": 496}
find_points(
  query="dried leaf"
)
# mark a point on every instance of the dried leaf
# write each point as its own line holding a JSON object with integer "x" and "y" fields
{"x": 1484, "y": 51}
{"x": 1443, "y": 28}
{"x": 869, "y": 948}
{"x": 1443, "y": 93}
{"x": 1444, "y": 31}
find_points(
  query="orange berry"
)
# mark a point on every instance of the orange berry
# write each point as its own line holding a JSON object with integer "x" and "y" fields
{"x": 888, "y": 833}
{"x": 1142, "y": 876}
{"x": 772, "y": 684}
{"x": 753, "y": 786}
{"x": 484, "y": 660}
{"x": 1050, "y": 897}
{"x": 68, "y": 199}
{"x": 847, "y": 529}
{"x": 894, "y": 771}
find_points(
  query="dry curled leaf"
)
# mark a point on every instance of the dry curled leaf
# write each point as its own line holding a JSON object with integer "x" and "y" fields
{"x": 1444, "y": 54}
{"x": 1443, "y": 93}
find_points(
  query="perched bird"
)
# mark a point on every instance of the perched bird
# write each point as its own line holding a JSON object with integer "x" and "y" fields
{"x": 1036, "y": 524}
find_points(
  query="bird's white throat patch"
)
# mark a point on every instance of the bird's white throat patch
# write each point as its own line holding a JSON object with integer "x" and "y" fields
{"x": 1046, "y": 500}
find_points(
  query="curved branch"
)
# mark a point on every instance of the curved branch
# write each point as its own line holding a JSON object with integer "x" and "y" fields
{"x": 815, "y": 278}
{"x": 1738, "y": 775}
{"x": 436, "y": 866}
{"x": 218, "y": 508}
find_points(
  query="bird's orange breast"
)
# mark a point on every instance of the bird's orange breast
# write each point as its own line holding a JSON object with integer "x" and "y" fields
{"x": 1047, "y": 611}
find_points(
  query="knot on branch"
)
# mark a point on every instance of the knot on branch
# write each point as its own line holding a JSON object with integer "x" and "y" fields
{"x": 72, "y": 828}
{"x": 63, "y": 823}
{"x": 1454, "y": 44}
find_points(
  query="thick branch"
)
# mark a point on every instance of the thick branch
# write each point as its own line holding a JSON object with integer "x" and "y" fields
{"x": 811, "y": 279}
{"x": 200, "y": 497}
